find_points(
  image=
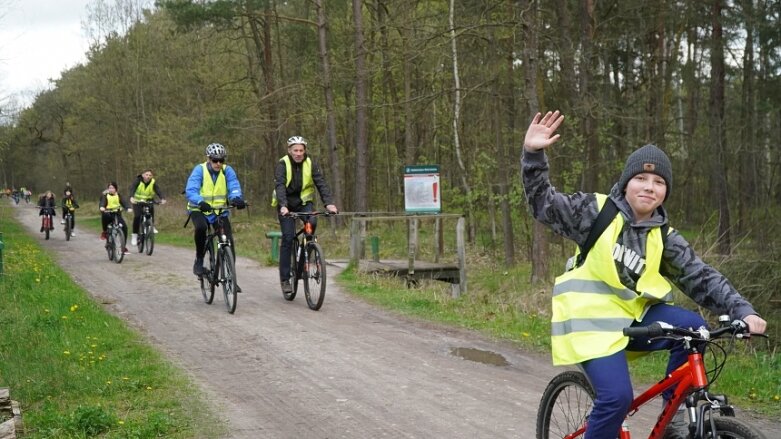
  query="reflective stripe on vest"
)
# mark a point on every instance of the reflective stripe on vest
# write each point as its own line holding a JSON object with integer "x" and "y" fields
{"x": 145, "y": 192}
{"x": 112, "y": 202}
{"x": 590, "y": 304}
{"x": 213, "y": 192}
{"x": 307, "y": 184}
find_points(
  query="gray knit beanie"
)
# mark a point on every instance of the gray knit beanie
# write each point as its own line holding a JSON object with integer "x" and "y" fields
{"x": 651, "y": 159}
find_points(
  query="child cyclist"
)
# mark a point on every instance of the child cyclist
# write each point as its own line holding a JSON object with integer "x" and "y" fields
{"x": 624, "y": 280}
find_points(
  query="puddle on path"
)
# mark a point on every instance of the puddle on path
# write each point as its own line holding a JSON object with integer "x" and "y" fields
{"x": 480, "y": 356}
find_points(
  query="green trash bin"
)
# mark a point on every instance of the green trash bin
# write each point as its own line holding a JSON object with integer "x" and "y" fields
{"x": 274, "y": 236}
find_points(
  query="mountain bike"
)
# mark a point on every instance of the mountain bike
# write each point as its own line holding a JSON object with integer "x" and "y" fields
{"x": 68, "y": 219}
{"x": 307, "y": 262}
{"x": 146, "y": 229}
{"x": 115, "y": 238}
{"x": 568, "y": 398}
{"x": 46, "y": 222}
{"x": 222, "y": 267}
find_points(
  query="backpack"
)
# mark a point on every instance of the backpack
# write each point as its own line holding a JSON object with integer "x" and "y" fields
{"x": 605, "y": 217}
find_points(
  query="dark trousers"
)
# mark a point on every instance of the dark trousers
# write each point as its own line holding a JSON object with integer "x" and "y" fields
{"x": 610, "y": 375}
{"x": 105, "y": 219}
{"x": 137, "y": 213}
{"x": 288, "y": 226}
{"x": 201, "y": 225}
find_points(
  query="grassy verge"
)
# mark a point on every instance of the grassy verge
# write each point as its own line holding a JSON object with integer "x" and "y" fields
{"x": 77, "y": 370}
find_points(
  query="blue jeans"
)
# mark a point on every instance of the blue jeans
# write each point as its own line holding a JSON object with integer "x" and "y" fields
{"x": 610, "y": 375}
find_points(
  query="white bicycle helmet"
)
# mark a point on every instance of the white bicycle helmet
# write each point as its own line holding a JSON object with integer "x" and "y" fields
{"x": 296, "y": 140}
{"x": 216, "y": 151}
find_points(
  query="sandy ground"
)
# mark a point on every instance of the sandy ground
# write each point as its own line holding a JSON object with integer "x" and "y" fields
{"x": 276, "y": 369}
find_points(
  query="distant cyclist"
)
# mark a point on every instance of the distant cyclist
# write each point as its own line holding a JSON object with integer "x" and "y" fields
{"x": 144, "y": 188}
{"x": 69, "y": 204}
{"x": 111, "y": 201}
{"x": 47, "y": 205}
{"x": 295, "y": 179}
{"x": 211, "y": 185}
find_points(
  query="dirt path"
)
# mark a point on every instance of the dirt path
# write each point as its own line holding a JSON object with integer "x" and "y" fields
{"x": 275, "y": 369}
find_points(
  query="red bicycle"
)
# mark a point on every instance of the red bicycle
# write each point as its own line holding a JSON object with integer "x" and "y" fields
{"x": 46, "y": 222}
{"x": 569, "y": 397}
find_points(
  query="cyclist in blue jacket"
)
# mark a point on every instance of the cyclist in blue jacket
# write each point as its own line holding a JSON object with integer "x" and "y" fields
{"x": 211, "y": 185}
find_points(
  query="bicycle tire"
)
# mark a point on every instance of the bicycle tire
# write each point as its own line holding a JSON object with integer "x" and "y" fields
{"x": 731, "y": 428}
{"x": 314, "y": 276}
{"x": 149, "y": 237}
{"x": 47, "y": 225}
{"x": 207, "y": 285}
{"x": 566, "y": 403}
{"x": 119, "y": 245}
{"x": 293, "y": 272}
{"x": 228, "y": 278}
{"x": 67, "y": 229}
{"x": 110, "y": 244}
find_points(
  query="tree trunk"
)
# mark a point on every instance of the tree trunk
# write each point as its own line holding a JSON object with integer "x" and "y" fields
{"x": 589, "y": 125}
{"x": 718, "y": 140}
{"x": 361, "y": 113}
{"x": 333, "y": 147}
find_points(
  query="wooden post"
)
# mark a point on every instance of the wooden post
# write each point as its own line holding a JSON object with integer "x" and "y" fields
{"x": 461, "y": 249}
{"x": 356, "y": 240}
{"x": 439, "y": 236}
{"x": 412, "y": 250}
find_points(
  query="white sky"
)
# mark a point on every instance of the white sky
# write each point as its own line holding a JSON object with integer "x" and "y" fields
{"x": 38, "y": 40}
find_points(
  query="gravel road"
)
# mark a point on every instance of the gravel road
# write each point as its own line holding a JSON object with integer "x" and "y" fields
{"x": 276, "y": 369}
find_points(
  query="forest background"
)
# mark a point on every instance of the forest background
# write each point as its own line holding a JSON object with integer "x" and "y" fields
{"x": 378, "y": 84}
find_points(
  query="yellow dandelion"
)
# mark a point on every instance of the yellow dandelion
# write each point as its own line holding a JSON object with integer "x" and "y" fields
{"x": 125, "y": 378}
{"x": 65, "y": 317}
{"x": 108, "y": 382}
{"x": 73, "y": 308}
{"x": 776, "y": 398}
{"x": 148, "y": 388}
{"x": 66, "y": 352}
{"x": 93, "y": 345}
{"x": 121, "y": 422}
{"x": 525, "y": 334}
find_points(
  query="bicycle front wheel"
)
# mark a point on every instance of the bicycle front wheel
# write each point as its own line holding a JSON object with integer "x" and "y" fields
{"x": 207, "y": 285}
{"x": 731, "y": 428}
{"x": 314, "y": 276}
{"x": 110, "y": 245}
{"x": 47, "y": 221}
{"x": 294, "y": 273}
{"x": 149, "y": 237}
{"x": 228, "y": 278}
{"x": 565, "y": 405}
{"x": 67, "y": 229}
{"x": 119, "y": 245}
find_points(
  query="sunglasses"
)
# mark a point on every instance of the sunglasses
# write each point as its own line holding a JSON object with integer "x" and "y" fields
{"x": 217, "y": 160}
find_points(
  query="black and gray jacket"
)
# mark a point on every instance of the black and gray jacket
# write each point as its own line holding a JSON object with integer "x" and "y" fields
{"x": 572, "y": 216}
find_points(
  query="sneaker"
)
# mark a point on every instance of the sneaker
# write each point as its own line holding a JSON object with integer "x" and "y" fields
{"x": 678, "y": 428}
{"x": 238, "y": 288}
{"x": 134, "y": 239}
{"x": 73, "y": 233}
{"x": 41, "y": 229}
{"x": 198, "y": 267}
{"x": 154, "y": 229}
{"x": 62, "y": 221}
{"x": 125, "y": 251}
{"x": 286, "y": 287}
{"x": 102, "y": 235}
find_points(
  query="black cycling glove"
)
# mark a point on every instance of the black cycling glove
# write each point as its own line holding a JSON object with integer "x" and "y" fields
{"x": 204, "y": 206}
{"x": 239, "y": 203}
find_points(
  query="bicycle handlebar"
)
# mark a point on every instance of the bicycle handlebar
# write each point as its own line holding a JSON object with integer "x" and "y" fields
{"x": 308, "y": 214}
{"x": 662, "y": 329}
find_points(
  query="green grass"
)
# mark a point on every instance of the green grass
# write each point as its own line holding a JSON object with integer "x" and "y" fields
{"x": 77, "y": 370}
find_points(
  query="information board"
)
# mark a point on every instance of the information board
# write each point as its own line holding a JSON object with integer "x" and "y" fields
{"x": 422, "y": 189}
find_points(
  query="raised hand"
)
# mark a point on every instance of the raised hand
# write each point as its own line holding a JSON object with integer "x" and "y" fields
{"x": 541, "y": 132}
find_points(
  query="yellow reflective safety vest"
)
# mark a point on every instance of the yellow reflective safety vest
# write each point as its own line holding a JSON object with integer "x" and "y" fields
{"x": 214, "y": 192}
{"x": 590, "y": 304}
{"x": 307, "y": 185}
{"x": 145, "y": 192}
{"x": 112, "y": 202}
